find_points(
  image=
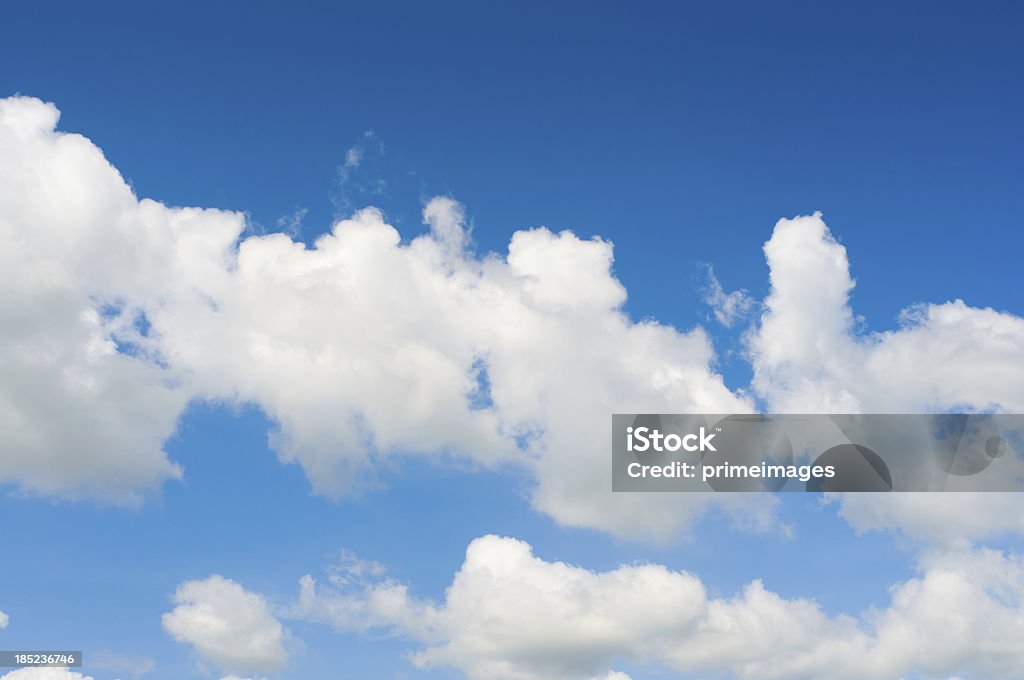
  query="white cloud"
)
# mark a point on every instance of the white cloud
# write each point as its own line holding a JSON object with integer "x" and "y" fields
{"x": 78, "y": 256}
{"x": 4, "y": 620}
{"x": 353, "y": 156}
{"x": 291, "y": 224}
{"x": 807, "y": 357}
{"x": 509, "y": 615}
{"x": 728, "y": 308}
{"x": 82, "y": 260}
{"x": 356, "y": 181}
{"x": 44, "y": 674}
{"x": 228, "y": 626}
{"x": 364, "y": 349}
{"x": 935, "y": 518}
{"x": 360, "y": 349}
{"x": 447, "y": 220}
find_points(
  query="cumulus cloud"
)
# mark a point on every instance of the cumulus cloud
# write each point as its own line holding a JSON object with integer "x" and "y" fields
{"x": 808, "y": 358}
{"x": 366, "y": 348}
{"x": 510, "y": 615}
{"x": 361, "y": 349}
{"x": 77, "y": 254}
{"x": 228, "y": 626}
{"x": 4, "y": 620}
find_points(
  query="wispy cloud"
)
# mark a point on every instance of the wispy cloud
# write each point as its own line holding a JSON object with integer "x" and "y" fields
{"x": 360, "y": 176}
{"x": 291, "y": 223}
{"x": 728, "y": 308}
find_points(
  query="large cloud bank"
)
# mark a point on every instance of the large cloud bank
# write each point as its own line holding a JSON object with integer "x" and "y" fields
{"x": 360, "y": 348}
{"x": 366, "y": 346}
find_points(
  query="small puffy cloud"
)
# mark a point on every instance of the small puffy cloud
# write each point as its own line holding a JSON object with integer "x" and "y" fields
{"x": 510, "y": 615}
{"x": 227, "y": 625}
{"x": 4, "y": 620}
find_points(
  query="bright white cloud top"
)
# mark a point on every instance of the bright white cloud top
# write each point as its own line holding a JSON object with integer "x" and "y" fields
{"x": 228, "y": 626}
{"x": 807, "y": 358}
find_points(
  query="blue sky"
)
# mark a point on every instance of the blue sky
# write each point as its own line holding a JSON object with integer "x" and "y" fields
{"x": 695, "y": 126}
{"x": 680, "y": 132}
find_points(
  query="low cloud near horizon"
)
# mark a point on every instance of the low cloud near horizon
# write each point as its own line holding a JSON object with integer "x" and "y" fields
{"x": 510, "y": 615}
